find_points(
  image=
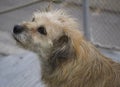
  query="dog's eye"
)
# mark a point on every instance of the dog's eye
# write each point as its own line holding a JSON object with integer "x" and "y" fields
{"x": 33, "y": 19}
{"x": 42, "y": 30}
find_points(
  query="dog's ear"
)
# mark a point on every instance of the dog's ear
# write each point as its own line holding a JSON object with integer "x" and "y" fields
{"x": 63, "y": 40}
{"x": 62, "y": 51}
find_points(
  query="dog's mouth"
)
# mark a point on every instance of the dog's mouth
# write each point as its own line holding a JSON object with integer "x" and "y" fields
{"x": 20, "y": 42}
{"x": 17, "y": 40}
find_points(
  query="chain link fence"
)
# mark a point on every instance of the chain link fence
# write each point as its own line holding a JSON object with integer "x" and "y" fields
{"x": 102, "y": 21}
{"x": 105, "y": 23}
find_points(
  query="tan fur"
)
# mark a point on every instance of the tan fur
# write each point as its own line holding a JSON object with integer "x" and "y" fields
{"x": 68, "y": 60}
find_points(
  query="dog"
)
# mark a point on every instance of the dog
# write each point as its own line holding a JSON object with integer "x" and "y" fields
{"x": 67, "y": 59}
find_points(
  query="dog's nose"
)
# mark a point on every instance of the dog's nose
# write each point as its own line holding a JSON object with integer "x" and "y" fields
{"x": 18, "y": 29}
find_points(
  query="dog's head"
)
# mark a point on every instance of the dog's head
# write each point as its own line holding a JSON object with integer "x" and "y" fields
{"x": 50, "y": 34}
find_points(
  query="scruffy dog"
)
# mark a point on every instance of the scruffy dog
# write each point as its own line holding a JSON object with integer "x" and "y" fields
{"x": 67, "y": 59}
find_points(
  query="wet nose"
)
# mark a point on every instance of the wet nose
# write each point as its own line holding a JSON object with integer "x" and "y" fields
{"x": 18, "y": 29}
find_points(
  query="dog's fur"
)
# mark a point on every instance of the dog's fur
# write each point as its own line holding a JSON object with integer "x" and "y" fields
{"x": 67, "y": 59}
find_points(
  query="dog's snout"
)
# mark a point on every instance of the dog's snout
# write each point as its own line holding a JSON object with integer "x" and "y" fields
{"x": 18, "y": 29}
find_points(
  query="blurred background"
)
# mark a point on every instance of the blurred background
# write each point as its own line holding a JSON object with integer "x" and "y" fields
{"x": 99, "y": 20}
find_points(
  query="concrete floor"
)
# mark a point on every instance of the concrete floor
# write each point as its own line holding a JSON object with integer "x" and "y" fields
{"x": 21, "y": 68}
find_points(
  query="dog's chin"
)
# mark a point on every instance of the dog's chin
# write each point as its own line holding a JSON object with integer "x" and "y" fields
{"x": 21, "y": 44}
{"x": 18, "y": 42}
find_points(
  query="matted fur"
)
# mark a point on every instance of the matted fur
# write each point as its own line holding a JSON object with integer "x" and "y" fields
{"x": 68, "y": 60}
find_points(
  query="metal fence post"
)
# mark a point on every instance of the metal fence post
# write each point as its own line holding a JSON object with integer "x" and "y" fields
{"x": 86, "y": 26}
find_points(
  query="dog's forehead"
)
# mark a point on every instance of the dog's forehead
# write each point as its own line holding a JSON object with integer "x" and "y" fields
{"x": 56, "y": 18}
{"x": 51, "y": 15}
